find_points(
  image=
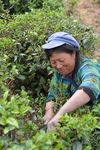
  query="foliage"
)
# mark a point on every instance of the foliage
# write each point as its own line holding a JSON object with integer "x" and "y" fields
{"x": 20, "y": 6}
{"x": 11, "y": 109}
{"x": 25, "y": 75}
{"x": 96, "y": 1}
{"x": 16, "y": 118}
{"x": 21, "y": 41}
{"x": 70, "y": 5}
{"x": 79, "y": 130}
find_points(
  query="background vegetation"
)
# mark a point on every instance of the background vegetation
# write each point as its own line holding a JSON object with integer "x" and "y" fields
{"x": 25, "y": 75}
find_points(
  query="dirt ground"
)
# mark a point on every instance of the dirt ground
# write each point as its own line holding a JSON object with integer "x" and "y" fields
{"x": 89, "y": 12}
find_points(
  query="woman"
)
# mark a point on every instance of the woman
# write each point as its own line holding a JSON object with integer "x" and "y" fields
{"x": 80, "y": 77}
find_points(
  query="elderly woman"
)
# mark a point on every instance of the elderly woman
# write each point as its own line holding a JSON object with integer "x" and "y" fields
{"x": 80, "y": 77}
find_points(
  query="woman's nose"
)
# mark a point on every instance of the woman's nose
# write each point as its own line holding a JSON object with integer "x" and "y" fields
{"x": 58, "y": 66}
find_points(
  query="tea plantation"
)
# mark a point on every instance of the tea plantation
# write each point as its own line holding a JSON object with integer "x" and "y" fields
{"x": 25, "y": 76}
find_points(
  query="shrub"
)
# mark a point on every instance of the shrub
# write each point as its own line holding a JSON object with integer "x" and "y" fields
{"x": 79, "y": 130}
{"x": 24, "y": 67}
{"x": 97, "y": 1}
{"x": 21, "y": 41}
{"x": 20, "y": 6}
{"x": 70, "y": 5}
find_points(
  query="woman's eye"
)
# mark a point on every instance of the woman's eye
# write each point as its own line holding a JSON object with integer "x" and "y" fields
{"x": 61, "y": 61}
{"x": 53, "y": 63}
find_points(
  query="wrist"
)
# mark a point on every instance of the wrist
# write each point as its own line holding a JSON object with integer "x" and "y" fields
{"x": 49, "y": 106}
{"x": 61, "y": 112}
{"x": 56, "y": 117}
{"x": 49, "y": 110}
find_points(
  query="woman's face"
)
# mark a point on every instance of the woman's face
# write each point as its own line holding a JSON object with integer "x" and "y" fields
{"x": 63, "y": 62}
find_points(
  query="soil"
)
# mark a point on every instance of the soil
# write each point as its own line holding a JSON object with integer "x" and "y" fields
{"x": 89, "y": 13}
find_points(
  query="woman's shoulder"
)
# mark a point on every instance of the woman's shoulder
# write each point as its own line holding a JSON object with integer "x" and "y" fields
{"x": 88, "y": 62}
{"x": 88, "y": 65}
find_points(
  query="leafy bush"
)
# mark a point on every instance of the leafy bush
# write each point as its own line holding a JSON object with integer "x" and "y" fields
{"x": 70, "y": 5}
{"x": 79, "y": 131}
{"x": 21, "y": 42}
{"x": 1, "y": 7}
{"x": 20, "y": 6}
{"x": 96, "y": 1}
{"x": 17, "y": 120}
{"x": 11, "y": 109}
{"x": 24, "y": 67}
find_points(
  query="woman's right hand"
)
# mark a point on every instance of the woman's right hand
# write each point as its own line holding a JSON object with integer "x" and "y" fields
{"x": 48, "y": 116}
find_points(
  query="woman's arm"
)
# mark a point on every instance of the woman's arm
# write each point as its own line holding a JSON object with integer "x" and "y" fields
{"x": 79, "y": 99}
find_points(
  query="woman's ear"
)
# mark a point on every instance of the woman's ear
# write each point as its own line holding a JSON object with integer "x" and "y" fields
{"x": 74, "y": 54}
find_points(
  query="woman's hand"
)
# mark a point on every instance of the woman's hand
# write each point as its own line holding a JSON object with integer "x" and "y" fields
{"x": 53, "y": 123}
{"x": 49, "y": 112}
{"x": 48, "y": 116}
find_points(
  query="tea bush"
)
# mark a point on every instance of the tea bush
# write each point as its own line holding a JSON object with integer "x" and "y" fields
{"x": 79, "y": 130}
{"x": 20, "y": 6}
{"x": 21, "y": 39}
{"x": 70, "y": 5}
{"x": 97, "y": 1}
{"x": 24, "y": 77}
{"x": 16, "y": 118}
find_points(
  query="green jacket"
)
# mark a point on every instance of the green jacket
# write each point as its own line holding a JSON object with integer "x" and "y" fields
{"x": 87, "y": 78}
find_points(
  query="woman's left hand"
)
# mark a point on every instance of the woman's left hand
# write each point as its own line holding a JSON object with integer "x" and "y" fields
{"x": 53, "y": 123}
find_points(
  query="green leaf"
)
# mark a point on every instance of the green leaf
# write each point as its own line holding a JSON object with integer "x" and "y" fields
{"x": 3, "y": 121}
{"x": 13, "y": 122}
{"x": 9, "y": 128}
{"x": 77, "y": 145}
{"x": 16, "y": 147}
{"x": 2, "y": 110}
{"x": 6, "y": 94}
{"x": 21, "y": 77}
{"x": 24, "y": 109}
{"x": 23, "y": 94}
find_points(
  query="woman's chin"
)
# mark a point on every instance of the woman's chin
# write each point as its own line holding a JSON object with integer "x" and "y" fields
{"x": 65, "y": 74}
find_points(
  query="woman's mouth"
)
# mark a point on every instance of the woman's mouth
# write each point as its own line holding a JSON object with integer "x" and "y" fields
{"x": 61, "y": 71}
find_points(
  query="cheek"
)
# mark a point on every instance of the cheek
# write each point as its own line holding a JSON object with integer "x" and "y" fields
{"x": 52, "y": 65}
{"x": 70, "y": 66}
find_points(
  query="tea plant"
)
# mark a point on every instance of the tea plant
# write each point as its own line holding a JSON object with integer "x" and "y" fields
{"x": 20, "y": 6}
{"x": 96, "y": 1}
{"x": 70, "y": 5}
{"x": 21, "y": 41}
{"x": 74, "y": 132}
{"x": 25, "y": 76}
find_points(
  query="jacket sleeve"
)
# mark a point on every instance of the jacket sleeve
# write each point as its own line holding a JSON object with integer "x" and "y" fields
{"x": 90, "y": 80}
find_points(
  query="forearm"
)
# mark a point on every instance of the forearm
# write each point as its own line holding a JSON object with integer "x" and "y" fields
{"x": 79, "y": 99}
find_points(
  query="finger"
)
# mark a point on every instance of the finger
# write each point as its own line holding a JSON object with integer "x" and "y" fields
{"x": 51, "y": 128}
{"x": 54, "y": 129}
{"x": 45, "y": 117}
{"x": 52, "y": 125}
{"x": 46, "y": 122}
{"x": 48, "y": 129}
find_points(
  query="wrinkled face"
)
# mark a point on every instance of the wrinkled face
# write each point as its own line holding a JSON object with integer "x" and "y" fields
{"x": 63, "y": 62}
